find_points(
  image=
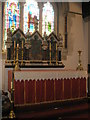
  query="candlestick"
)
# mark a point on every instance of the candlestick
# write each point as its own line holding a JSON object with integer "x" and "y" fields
{"x": 14, "y": 50}
{"x": 14, "y": 44}
{"x": 17, "y": 45}
{"x": 22, "y": 43}
{"x": 50, "y": 45}
{"x": 12, "y": 114}
{"x": 79, "y": 61}
{"x": 17, "y": 61}
{"x": 11, "y": 84}
{"x": 22, "y": 54}
{"x": 56, "y": 46}
{"x": 56, "y": 53}
{"x": 50, "y": 52}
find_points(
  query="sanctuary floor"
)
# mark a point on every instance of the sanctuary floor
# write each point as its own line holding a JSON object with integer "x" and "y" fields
{"x": 79, "y": 109}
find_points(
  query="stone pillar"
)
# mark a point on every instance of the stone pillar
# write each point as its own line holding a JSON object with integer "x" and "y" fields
{"x": 66, "y": 35}
{"x": 22, "y": 15}
{"x": 40, "y": 5}
{"x": 0, "y": 25}
{"x": 3, "y": 24}
{"x": 58, "y": 5}
{"x": 54, "y": 4}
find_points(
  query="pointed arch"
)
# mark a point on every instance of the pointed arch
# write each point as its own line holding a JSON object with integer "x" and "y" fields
{"x": 30, "y": 11}
{"x": 12, "y": 17}
{"x": 47, "y": 18}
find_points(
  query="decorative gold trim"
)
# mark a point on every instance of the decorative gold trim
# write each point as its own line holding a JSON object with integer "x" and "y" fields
{"x": 35, "y": 91}
{"x": 45, "y": 90}
{"x": 71, "y": 88}
{"x": 54, "y": 91}
{"x": 63, "y": 88}
{"x": 24, "y": 94}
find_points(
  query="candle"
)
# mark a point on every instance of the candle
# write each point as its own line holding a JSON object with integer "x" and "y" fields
{"x": 17, "y": 45}
{"x": 56, "y": 46}
{"x": 22, "y": 44}
{"x": 11, "y": 84}
{"x": 14, "y": 44}
{"x": 50, "y": 45}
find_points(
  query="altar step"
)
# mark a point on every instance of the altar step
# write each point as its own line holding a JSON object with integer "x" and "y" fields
{"x": 54, "y": 111}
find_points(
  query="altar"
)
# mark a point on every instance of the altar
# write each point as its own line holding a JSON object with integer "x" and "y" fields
{"x": 38, "y": 75}
{"x": 36, "y": 86}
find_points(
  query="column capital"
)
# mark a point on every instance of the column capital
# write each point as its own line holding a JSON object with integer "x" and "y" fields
{"x": 40, "y": 5}
{"x": 22, "y": 3}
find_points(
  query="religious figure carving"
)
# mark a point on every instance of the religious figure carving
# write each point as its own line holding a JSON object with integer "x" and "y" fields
{"x": 60, "y": 40}
{"x": 9, "y": 33}
{"x": 28, "y": 34}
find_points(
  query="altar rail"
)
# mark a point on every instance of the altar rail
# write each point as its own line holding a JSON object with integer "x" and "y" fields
{"x": 39, "y": 86}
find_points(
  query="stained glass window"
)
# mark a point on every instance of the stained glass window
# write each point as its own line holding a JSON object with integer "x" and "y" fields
{"x": 30, "y": 11}
{"x": 47, "y": 19}
{"x": 12, "y": 16}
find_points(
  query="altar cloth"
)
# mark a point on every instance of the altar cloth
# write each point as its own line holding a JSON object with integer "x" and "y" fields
{"x": 48, "y": 74}
{"x": 47, "y": 85}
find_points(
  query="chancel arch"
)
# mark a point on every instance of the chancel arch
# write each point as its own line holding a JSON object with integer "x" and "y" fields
{"x": 31, "y": 12}
{"x": 11, "y": 18}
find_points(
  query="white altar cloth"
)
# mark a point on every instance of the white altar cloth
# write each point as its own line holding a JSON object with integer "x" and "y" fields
{"x": 48, "y": 74}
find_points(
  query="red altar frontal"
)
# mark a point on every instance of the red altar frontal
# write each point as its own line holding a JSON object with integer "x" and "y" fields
{"x": 47, "y": 85}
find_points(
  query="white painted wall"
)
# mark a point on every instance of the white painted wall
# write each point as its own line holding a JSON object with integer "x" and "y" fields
{"x": 77, "y": 38}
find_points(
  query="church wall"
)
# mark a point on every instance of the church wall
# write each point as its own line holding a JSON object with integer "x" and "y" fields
{"x": 76, "y": 38}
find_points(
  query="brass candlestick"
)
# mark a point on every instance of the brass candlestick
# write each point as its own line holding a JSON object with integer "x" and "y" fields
{"x": 79, "y": 61}
{"x": 22, "y": 54}
{"x": 12, "y": 114}
{"x": 56, "y": 53}
{"x": 17, "y": 62}
{"x": 50, "y": 51}
{"x": 14, "y": 50}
